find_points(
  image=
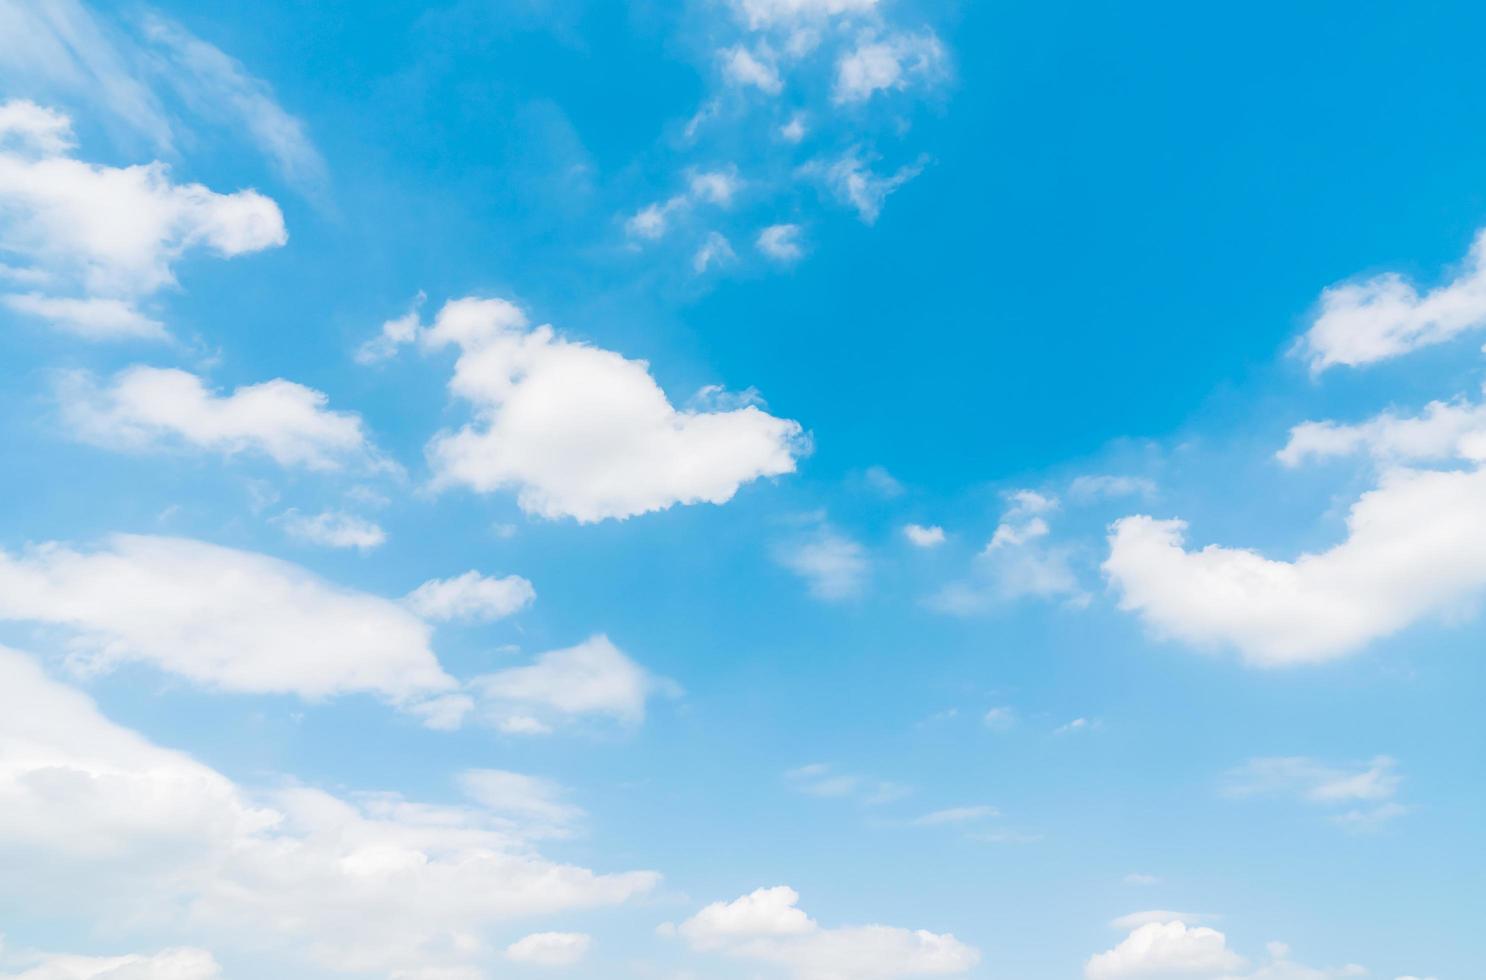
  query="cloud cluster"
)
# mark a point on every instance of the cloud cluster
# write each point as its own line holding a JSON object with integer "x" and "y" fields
{"x": 96, "y": 821}
{"x": 768, "y": 926}
{"x": 149, "y": 409}
{"x": 182, "y": 963}
{"x": 1177, "y": 950}
{"x": 96, "y": 239}
{"x": 582, "y": 432}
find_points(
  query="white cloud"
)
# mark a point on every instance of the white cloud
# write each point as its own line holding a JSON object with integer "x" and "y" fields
{"x": 1359, "y": 797}
{"x": 714, "y": 187}
{"x": 112, "y": 232}
{"x": 888, "y": 63}
{"x": 853, "y": 181}
{"x": 181, "y": 963}
{"x": 956, "y": 815}
{"x": 744, "y": 67}
{"x": 333, "y": 529}
{"x": 1170, "y": 949}
{"x": 95, "y": 318}
{"x": 794, "y": 130}
{"x": 550, "y": 949}
{"x": 223, "y": 618}
{"x": 1103, "y": 486}
{"x": 715, "y": 249}
{"x": 781, "y": 242}
{"x": 1000, "y": 719}
{"x": 1386, "y": 316}
{"x": 118, "y": 64}
{"x": 1415, "y": 548}
{"x": 1135, "y": 920}
{"x": 833, "y": 566}
{"x": 924, "y": 536}
{"x": 1019, "y": 562}
{"x": 821, "y": 780}
{"x": 582, "y": 432}
{"x": 146, "y": 408}
{"x": 97, "y": 822}
{"x": 1078, "y": 725}
{"x": 594, "y": 678}
{"x": 471, "y": 597}
{"x": 772, "y": 13}
{"x": 537, "y": 805}
{"x": 1446, "y": 431}
{"x": 768, "y": 926}
{"x": 394, "y": 334}
{"x": 217, "y": 87}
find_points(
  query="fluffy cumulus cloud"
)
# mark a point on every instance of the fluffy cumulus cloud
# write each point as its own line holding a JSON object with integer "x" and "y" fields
{"x": 886, "y": 64}
{"x": 471, "y": 597}
{"x": 182, "y": 963}
{"x": 582, "y": 432}
{"x": 1166, "y": 949}
{"x": 591, "y": 680}
{"x": 105, "y": 237}
{"x": 1415, "y": 547}
{"x": 148, "y": 409}
{"x": 924, "y": 535}
{"x": 223, "y": 618}
{"x": 550, "y": 948}
{"x": 96, "y": 821}
{"x": 1386, "y": 316}
{"x": 768, "y": 926}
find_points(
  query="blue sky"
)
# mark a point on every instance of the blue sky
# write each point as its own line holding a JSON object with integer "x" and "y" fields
{"x": 815, "y": 489}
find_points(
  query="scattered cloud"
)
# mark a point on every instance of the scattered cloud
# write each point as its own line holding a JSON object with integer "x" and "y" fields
{"x": 768, "y": 926}
{"x": 1386, "y": 316}
{"x": 781, "y": 242}
{"x": 333, "y": 529}
{"x": 924, "y": 536}
{"x": 110, "y": 234}
{"x": 180, "y": 963}
{"x": 471, "y": 597}
{"x": 553, "y": 949}
{"x": 222, "y": 618}
{"x": 582, "y": 432}
{"x": 956, "y": 815}
{"x": 888, "y": 63}
{"x": 1019, "y": 562}
{"x": 851, "y": 179}
{"x": 95, "y": 819}
{"x": 1000, "y": 719}
{"x": 143, "y": 409}
{"x": 1359, "y": 797}
{"x": 822, "y": 780}
{"x": 833, "y": 566}
{"x": 1078, "y": 726}
{"x": 592, "y": 679}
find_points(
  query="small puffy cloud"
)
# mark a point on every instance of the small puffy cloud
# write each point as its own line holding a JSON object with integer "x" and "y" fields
{"x": 146, "y": 408}
{"x": 1386, "y": 316}
{"x": 1135, "y": 920}
{"x": 1078, "y": 726}
{"x": 833, "y": 566}
{"x": 223, "y": 618}
{"x": 1171, "y": 949}
{"x": 471, "y": 597}
{"x": 395, "y": 333}
{"x": 886, "y": 64}
{"x": 110, "y": 233}
{"x": 924, "y": 536}
{"x": 594, "y": 678}
{"x": 582, "y": 432}
{"x": 781, "y": 242}
{"x": 552, "y": 949}
{"x": 852, "y": 180}
{"x": 94, "y": 818}
{"x": 767, "y": 926}
{"x": 1384, "y": 576}
{"x": 1019, "y": 562}
{"x": 333, "y": 529}
{"x": 747, "y": 68}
